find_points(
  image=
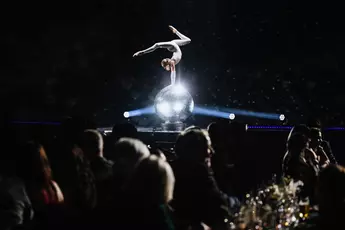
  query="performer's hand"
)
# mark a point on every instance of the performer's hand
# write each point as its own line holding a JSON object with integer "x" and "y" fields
{"x": 173, "y": 29}
{"x": 137, "y": 54}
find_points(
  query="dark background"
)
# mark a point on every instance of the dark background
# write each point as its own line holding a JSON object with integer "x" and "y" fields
{"x": 75, "y": 58}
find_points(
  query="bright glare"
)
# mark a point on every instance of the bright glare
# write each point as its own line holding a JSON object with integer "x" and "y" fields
{"x": 179, "y": 89}
{"x": 126, "y": 114}
{"x": 192, "y": 106}
{"x": 159, "y": 99}
{"x": 178, "y": 106}
{"x": 282, "y": 117}
{"x": 232, "y": 116}
{"x": 164, "y": 108}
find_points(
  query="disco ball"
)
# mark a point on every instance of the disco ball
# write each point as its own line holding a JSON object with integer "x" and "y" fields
{"x": 174, "y": 103}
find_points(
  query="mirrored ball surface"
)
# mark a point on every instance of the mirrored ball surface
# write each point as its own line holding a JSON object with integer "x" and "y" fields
{"x": 173, "y": 103}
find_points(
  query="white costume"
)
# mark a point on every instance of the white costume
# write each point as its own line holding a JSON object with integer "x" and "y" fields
{"x": 172, "y": 46}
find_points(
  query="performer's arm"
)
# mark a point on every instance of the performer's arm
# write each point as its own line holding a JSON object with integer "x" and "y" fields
{"x": 153, "y": 48}
{"x": 173, "y": 77}
{"x": 184, "y": 40}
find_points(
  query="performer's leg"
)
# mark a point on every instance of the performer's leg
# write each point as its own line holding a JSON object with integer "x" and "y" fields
{"x": 184, "y": 40}
{"x": 181, "y": 42}
{"x": 153, "y": 48}
{"x": 150, "y": 49}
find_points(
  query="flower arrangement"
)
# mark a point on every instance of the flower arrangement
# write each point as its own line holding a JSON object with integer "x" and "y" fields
{"x": 275, "y": 206}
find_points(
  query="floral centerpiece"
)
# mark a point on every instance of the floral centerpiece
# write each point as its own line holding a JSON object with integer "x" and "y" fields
{"x": 275, "y": 206}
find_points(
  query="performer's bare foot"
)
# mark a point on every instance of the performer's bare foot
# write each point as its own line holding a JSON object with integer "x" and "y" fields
{"x": 138, "y": 54}
{"x": 173, "y": 29}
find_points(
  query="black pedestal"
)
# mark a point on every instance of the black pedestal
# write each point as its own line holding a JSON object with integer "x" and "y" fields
{"x": 173, "y": 126}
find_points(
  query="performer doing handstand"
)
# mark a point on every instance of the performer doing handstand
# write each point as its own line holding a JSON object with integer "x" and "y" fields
{"x": 173, "y": 46}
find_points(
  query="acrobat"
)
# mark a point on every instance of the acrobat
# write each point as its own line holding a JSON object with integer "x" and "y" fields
{"x": 173, "y": 46}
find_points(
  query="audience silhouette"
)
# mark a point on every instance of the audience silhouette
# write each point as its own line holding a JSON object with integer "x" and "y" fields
{"x": 119, "y": 182}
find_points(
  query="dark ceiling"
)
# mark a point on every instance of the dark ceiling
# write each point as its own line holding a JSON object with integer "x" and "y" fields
{"x": 63, "y": 58}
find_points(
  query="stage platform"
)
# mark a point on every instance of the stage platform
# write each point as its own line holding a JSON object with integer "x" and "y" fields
{"x": 107, "y": 130}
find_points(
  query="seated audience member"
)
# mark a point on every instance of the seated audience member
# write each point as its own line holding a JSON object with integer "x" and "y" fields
{"x": 119, "y": 131}
{"x": 147, "y": 194}
{"x": 299, "y": 129}
{"x": 197, "y": 198}
{"x": 36, "y": 173}
{"x": 321, "y": 147}
{"x": 15, "y": 206}
{"x": 44, "y": 193}
{"x": 301, "y": 164}
{"x": 71, "y": 168}
{"x": 92, "y": 146}
{"x": 331, "y": 197}
{"x": 127, "y": 153}
{"x": 79, "y": 186}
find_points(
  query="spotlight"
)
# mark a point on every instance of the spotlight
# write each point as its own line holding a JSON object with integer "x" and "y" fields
{"x": 139, "y": 112}
{"x": 232, "y": 116}
{"x": 282, "y": 117}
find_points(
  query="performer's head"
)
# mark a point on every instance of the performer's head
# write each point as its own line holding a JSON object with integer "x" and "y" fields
{"x": 168, "y": 64}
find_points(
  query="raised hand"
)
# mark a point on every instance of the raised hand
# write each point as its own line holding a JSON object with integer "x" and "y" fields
{"x": 311, "y": 155}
